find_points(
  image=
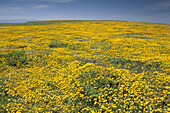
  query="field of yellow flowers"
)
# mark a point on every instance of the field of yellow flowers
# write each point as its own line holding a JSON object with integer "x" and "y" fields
{"x": 85, "y": 67}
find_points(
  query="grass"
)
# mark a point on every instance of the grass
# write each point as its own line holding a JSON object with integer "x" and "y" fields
{"x": 31, "y": 23}
{"x": 47, "y": 22}
{"x": 15, "y": 58}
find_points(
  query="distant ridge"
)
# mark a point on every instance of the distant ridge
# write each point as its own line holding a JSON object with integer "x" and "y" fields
{"x": 11, "y": 21}
{"x": 46, "y": 22}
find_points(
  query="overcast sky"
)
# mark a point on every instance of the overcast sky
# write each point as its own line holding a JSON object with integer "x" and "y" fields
{"x": 156, "y": 11}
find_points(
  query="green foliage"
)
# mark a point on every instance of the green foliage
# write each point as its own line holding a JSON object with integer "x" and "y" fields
{"x": 41, "y": 22}
{"x": 16, "y": 58}
{"x": 3, "y": 96}
{"x": 57, "y": 44}
{"x": 136, "y": 66}
{"x": 60, "y": 44}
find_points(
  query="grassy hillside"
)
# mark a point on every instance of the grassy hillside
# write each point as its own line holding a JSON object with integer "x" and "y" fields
{"x": 46, "y": 22}
{"x": 85, "y": 66}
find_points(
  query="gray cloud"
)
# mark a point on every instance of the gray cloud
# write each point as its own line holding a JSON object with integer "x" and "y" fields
{"x": 11, "y": 10}
{"x": 164, "y": 4}
{"x": 20, "y": 10}
{"x": 40, "y": 6}
{"x": 157, "y": 18}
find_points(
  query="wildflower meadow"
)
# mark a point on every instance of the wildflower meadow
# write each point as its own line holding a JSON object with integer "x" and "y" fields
{"x": 85, "y": 67}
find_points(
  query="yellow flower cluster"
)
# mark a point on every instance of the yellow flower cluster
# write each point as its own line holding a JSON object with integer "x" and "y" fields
{"x": 91, "y": 66}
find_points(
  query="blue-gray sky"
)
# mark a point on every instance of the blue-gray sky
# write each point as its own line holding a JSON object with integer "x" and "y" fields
{"x": 156, "y": 11}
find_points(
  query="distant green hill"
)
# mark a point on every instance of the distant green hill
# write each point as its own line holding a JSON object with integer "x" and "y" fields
{"x": 46, "y": 22}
